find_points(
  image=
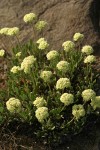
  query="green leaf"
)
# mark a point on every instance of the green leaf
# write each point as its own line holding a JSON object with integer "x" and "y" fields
{"x": 1, "y": 119}
{"x": 1, "y": 109}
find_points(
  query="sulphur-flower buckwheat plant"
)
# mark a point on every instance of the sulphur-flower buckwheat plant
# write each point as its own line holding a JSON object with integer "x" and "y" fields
{"x": 78, "y": 37}
{"x": 63, "y": 66}
{"x": 29, "y": 17}
{"x": 39, "y": 102}
{"x": 88, "y": 94}
{"x": 41, "y": 114}
{"x": 68, "y": 46}
{"x": 78, "y": 111}
{"x": 67, "y": 99}
{"x": 90, "y": 59}
{"x": 52, "y": 55}
{"x": 87, "y": 49}
{"x": 54, "y": 91}
{"x": 13, "y": 105}
{"x": 2, "y": 52}
{"x": 63, "y": 83}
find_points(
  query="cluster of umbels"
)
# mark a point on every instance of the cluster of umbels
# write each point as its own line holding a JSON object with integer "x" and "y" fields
{"x": 62, "y": 83}
{"x": 28, "y": 63}
{"x": 46, "y": 75}
{"x": 9, "y": 31}
{"x": 42, "y": 44}
{"x": 13, "y": 105}
{"x": 29, "y": 18}
{"x": 42, "y": 112}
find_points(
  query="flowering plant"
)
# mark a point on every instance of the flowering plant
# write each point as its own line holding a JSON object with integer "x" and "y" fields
{"x": 53, "y": 90}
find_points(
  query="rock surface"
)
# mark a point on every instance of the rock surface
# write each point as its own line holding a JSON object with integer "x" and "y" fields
{"x": 64, "y": 17}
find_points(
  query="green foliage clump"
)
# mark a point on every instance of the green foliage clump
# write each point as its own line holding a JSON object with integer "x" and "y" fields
{"x": 53, "y": 90}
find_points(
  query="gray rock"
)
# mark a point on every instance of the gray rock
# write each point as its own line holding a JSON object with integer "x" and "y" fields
{"x": 65, "y": 17}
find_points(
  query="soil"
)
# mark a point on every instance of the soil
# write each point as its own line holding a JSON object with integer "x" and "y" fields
{"x": 89, "y": 139}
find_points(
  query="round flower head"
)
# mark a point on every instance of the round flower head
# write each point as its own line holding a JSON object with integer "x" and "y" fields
{"x": 68, "y": 46}
{"x": 41, "y": 114}
{"x": 46, "y": 75}
{"x": 95, "y": 103}
{"x": 63, "y": 83}
{"x": 52, "y": 55}
{"x": 78, "y": 111}
{"x": 78, "y": 37}
{"x": 13, "y": 31}
{"x": 2, "y": 53}
{"x": 63, "y": 66}
{"x": 40, "y": 25}
{"x": 18, "y": 54}
{"x": 87, "y": 50}
{"x": 90, "y": 59}
{"x": 13, "y": 105}
{"x": 39, "y": 102}
{"x": 15, "y": 69}
{"x": 67, "y": 99}
{"x": 42, "y": 44}
{"x": 88, "y": 94}
{"x": 4, "y": 31}
{"x": 40, "y": 40}
{"x": 28, "y": 63}
{"x": 29, "y": 17}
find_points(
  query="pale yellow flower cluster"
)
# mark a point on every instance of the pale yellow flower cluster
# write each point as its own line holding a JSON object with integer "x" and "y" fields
{"x": 90, "y": 59}
{"x": 95, "y": 103}
{"x": 42, "y": 44}
{"x": 18, "y": 54}
{"x": 63, "y": 66}
{"x": 13, "y": 105}
{"x": 87, "y": 49}
{"x": 52, "y": 55}
{"x": 28, "y": 63}
{"x": 78, "y": 111}
{"x": 88, "y": 94}
{"x": 39, "y": 102}
{"x": 29, "y": 17}
{"x": 15, "y": 69}
{"x": 13, "y": 31}
{"x": 2, "y": 53}
{"x": 68, "y": 46}
{"x": 4, "y": 31}
{"x": 46, "y": 75}
{"x": 78, "y": 37}
{"x": 67, "y": 99}
{"x": 9, "y": 31}
{"x": 40, "y": 25}
{"x": 63, "y": 83}
{"x": 41, "y": 114}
